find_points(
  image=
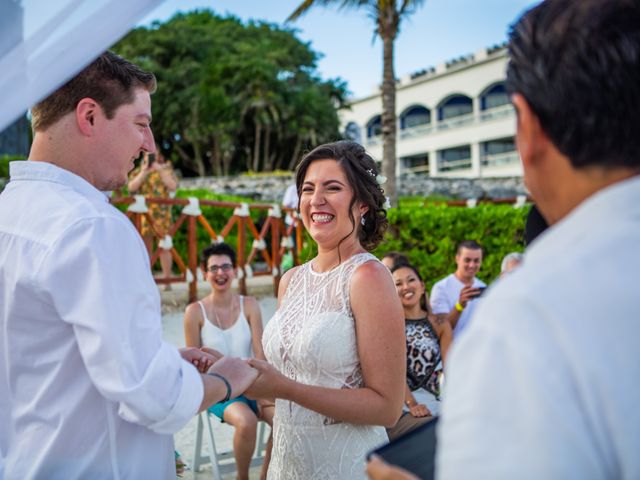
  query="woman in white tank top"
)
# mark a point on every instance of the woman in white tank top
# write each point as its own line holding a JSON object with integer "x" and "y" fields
{"x": 231, "y": 324}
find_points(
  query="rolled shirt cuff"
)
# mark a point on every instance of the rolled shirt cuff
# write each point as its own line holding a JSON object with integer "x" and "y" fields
{"x": 186, "y": 405}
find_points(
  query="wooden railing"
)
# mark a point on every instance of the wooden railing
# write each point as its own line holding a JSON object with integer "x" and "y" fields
{"x": 192, "y": 219}
{"x": 518, "y": 201}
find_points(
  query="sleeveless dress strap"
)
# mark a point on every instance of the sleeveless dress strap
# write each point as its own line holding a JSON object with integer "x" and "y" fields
{"x": 204, "y": 313}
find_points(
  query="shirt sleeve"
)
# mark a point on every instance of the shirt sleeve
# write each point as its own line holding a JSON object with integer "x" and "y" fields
{"x": 98, "y": 279}
{"x": 439, "y": 301}
{"x": 509, "y": 402}
{"x": 290, "y": 199}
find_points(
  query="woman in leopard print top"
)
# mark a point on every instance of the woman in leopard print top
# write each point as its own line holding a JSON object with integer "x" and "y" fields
{"x": 428, "y": 340}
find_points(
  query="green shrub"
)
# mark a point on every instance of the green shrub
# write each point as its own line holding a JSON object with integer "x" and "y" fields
{"x": 429, "y": 234}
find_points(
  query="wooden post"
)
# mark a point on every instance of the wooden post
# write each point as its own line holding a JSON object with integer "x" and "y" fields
{"x": 275, "y": 251}
{"x": 242, "y": 244}
{"x": 298, "y": 246}
{"x": 192, "y": 251}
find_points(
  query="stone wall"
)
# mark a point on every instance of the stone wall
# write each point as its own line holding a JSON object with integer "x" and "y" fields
{"x": 271, "y": 188}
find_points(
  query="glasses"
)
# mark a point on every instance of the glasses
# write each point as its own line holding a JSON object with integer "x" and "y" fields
{"x": 225, "y": 267}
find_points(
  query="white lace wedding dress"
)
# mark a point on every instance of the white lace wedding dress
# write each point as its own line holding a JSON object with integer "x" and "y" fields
{"x": 311, "y": 339}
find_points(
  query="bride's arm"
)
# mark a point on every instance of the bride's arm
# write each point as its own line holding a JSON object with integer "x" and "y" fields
{"x": 381, "y": 347}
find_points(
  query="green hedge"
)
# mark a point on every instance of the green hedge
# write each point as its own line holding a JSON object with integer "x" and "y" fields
{"x": 429, "y": 234}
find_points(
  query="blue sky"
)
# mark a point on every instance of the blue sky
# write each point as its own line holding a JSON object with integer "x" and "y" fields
{"x": 438, "y": 31}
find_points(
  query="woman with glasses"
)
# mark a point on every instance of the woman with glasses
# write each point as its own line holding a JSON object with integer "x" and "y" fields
{"x": 232, "y": 325}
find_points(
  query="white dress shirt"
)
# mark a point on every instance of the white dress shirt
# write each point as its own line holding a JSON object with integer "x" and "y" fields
{"x": 545, "y": 383}
{"x": 88, "y": 388}
{"x": 446, "y": 293}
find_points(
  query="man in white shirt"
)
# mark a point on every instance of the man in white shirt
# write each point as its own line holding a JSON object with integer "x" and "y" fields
{"x": 88, "y": 388}
{"x": 544, "y": 383}
{"x": 455, "y": 294}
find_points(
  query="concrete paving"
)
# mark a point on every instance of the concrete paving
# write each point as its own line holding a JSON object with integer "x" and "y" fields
{"x": 173, "y": 303}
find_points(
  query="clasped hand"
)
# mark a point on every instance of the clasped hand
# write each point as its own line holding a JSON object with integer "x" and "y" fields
{"x": 261, "y": 378}
{"x": 202, "y": 359}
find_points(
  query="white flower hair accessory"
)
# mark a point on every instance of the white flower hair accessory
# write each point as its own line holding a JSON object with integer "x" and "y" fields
{"x": 380, "y": 179}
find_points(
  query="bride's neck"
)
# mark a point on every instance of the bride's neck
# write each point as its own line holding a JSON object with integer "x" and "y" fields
{"x": 331, "y": 258}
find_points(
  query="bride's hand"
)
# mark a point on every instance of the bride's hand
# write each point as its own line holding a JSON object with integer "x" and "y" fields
{"x": 270, "y": 382}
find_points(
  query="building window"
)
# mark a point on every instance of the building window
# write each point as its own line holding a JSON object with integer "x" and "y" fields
{"x": 455, "y": 106}
{"x": 456, "y": 158}
{"x": 352, "y": 132}
{"x": 415, "y": 163}
{"x": 496, "y": 96}
{"x": 499, "y": 152}
{"x": 374, "y": 127}
{"x": 414, "y": 117}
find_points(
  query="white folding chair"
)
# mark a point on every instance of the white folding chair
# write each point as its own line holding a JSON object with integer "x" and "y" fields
{"x": 223, "y": 462}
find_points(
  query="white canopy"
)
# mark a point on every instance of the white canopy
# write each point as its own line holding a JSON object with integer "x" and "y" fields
{"x": 43, "y": 43}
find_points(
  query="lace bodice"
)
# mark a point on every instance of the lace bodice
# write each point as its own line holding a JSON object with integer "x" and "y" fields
{"x": 311, "y": 339}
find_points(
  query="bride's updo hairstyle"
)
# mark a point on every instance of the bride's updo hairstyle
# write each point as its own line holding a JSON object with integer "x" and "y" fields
{"x": 362, "y": 175}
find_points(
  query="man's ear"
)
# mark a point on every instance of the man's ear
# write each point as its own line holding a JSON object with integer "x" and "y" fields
{"x": 530, "y": 137}
{"x": 87, "y": 112}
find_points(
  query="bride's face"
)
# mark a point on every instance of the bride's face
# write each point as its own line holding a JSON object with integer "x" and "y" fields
{"x": 324, "y": 203}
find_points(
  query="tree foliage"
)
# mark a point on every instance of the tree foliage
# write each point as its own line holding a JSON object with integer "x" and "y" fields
{"x": 232, "y": 96}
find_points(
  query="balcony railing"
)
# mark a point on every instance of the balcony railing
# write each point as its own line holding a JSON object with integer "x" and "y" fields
{"x": 449, "y": 165}
{"x": 500, "y": 159}
{"x": 422, "y": 169}
{"x": 416, "y": 131}
{"x": 491, "y": 114}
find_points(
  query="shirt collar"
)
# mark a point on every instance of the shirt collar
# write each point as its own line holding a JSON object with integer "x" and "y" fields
{"x": 605, "y": 207}
{"x": 27, "y": 170}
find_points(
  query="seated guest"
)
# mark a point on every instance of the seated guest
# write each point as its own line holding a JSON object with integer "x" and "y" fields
{"x": 454, "y": 295}
{"x": 232, "y": 325}
{"x": 428, "y": 341}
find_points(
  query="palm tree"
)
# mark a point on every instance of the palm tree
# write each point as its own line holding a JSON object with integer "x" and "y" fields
{"x": 387, "y": 15}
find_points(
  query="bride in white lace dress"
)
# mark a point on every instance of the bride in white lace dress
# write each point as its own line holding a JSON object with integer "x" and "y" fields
{"x": 335, "y": 346}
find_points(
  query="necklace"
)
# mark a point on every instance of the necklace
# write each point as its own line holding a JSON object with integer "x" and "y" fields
{"x": 218, "y": 322}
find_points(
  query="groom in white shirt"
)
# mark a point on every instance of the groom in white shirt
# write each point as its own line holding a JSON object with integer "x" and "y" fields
{"x": 88, "y": 388}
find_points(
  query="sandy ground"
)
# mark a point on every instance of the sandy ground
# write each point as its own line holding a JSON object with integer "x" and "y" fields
{"x": 185, "y": 439}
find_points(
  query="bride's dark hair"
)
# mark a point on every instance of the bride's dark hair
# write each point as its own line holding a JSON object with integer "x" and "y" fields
{"x": 361, "y": 172}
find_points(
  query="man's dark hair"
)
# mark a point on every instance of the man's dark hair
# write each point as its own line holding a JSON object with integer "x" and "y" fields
{"x": 217, "y": 249}
{"x": 470, "y": 244}
{"x": 577, "y": 63}
{"x": 110, "y": 80}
